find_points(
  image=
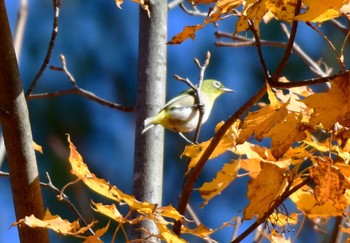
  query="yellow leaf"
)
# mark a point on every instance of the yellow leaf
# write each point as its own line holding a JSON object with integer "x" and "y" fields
{"x": 190, "y": 31}
{"x": 305, "y": 201}
{"x": 80, "y": 169}
{"x": 55, "y": 223}
{"x": 228, "y": 141}
{"x": 264, "y": 190}
{"x": 255, "y": 10}
{"x": 201, "y": 231}
{"x": 169, "y": 212}
{"x": 321, "y": 10}
{"x": 110, "y": 211}
{"x": 223, "y": 179}
{"x": 324, "y": 104}
{"x": 226, "y": 6}
{"x": 260, "y": 122}
{"x": 37, "y": 147}
{"x": 119, "y": 3}
{"x": 330, "y": 184}
{"x": 285, "y": 133}
{"x": 167, "y": 235}
{"x": 95, "y": 238}
{"x": 256, "y": 154}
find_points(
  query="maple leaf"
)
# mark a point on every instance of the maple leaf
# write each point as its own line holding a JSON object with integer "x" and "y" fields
{"x": 255, "y": 155}
{"x": 222, "y": 180}
{"x": 264, "y": 190}
{"x": 80, "y": 169}
{"x": 255, "y": 10}
{"x": 262, "y": 121}
{"x": 285, "y": 133}
{"x": 95, "y": 238}
{"x": 330, "y": 184}
{"x": 323, "y": 104}
{"x": 55, "y": 223}
{"x": 305, "y": 201}
{"x": 321, "y": 10}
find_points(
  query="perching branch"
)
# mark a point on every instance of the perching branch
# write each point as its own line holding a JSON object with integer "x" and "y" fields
{"x": 199, "y": 104}
{"x": 56, "y": 5}
{"x": 77, "y": 90}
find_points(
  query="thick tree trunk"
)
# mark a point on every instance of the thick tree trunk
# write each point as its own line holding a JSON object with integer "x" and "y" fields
{"x": 148, "y": 164}
{"x": 18, "y": 139}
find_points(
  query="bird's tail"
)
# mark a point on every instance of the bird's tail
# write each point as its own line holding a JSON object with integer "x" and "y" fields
{"x": 147, "y": 125}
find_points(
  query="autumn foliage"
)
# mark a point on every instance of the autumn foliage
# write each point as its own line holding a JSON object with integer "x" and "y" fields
{"x": 306, "y": 162}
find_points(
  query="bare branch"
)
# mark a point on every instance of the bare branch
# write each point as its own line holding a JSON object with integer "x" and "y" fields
{"x": 174, "y": 3}
{"x": 64, "y": 198}
{"x": 341, "y": 63}
{"x": 77, "y": 90}
{"x": 56, "y": 5}
{"x": 194, "y": 11}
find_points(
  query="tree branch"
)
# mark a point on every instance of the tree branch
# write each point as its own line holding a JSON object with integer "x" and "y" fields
{"x": 56, "y": 5}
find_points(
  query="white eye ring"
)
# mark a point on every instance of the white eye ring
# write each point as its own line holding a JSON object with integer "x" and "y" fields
{"x": 217, "y": 84}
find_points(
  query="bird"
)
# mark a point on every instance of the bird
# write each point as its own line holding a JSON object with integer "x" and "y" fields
{"x": 181, "y": 113}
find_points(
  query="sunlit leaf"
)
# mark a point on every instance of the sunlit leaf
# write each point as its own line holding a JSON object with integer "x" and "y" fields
{"x": 321, "y": 10}
{"x": 305, "y": 201}
{"x": 264, "y": 190}
{"x": 55, "y": 223}
{"x": 324, "y": 104}
{"x": 223, "y": 179}
{"x": 80, "y": 169}
{"x": 330, "y": 184}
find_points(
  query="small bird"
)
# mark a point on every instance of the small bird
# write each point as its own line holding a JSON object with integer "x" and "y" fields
{"x": 181, "y": 113}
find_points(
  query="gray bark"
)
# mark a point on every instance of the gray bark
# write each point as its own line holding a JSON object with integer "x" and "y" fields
{"x": 148, "y": 164}
{"x": 14, "y": 118}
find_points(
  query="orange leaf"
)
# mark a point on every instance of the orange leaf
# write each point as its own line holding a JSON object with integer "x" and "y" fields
{"x": 321, "y": 10}
{"x": 80, "y": 169}
{"x": 55, "y": 223}
{"x": 330, "y": 184}
{"x": 305, "y": 200}
{"x": 285, "y": 133}
{"x": 264, "y": 190}
{"x": 324, "y": 104}
{"x": 222, "y": 180}
{"x": 95, "y": 238}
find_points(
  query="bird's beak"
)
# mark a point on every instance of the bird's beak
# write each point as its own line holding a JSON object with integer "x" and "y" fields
{"x": 228, "y": 90}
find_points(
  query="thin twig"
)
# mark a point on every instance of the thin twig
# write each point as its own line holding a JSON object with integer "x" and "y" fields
{"x": 56, "y": 5}
{"x": 289, "y": 47}
{"x": 341, "y": 63}
{"x": 314, "y": 66}
{"x": 174, "y": 3}
{"x": 194, "y": 12}
{"x": 200, "y": 104}
{"x": 64, "y": 198}
{"x": 258, "y": 48}
{"x": 77, "y": 90}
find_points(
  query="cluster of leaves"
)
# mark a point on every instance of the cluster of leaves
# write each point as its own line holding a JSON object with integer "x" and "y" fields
{"x": 291, "y": 121}
{"x": 257, "y": 11}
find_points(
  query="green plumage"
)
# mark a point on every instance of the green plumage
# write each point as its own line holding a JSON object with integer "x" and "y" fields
{"x": 181, "y": 113}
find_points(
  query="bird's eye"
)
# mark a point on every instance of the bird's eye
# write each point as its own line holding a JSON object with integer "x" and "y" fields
{"x": 217, "y": 84}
